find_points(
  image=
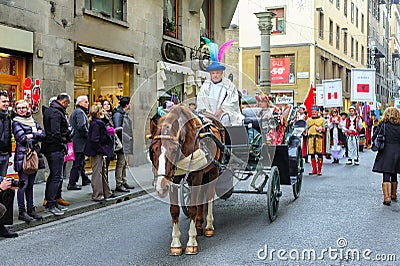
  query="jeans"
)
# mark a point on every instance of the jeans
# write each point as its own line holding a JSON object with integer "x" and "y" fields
{"x": 26, "y": 191}
{"x": 55, "y": 161}
{"x": 78, "y": 168}
{"x": 4, "y": 164}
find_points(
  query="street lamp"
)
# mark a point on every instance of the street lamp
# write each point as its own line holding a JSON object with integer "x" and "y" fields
{"x": 265, "y": 26}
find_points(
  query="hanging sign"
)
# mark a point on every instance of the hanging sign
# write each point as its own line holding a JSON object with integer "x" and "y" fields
{"x": 28, "y": 91}
{"x": 319, "y": 99}
{"x": 36, "y": 96}
{"x": 332, "y": 93}
{"x": 280, "y": 70}
{"x": 362, "y": 85}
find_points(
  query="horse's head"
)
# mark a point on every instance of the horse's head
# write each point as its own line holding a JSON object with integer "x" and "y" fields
{"x": 173, "y": 139}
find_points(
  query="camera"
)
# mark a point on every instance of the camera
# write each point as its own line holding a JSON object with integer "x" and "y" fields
{"x": 14, "y": 182}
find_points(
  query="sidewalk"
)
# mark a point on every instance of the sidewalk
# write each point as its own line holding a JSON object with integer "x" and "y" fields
{"x": 141, "y": 177}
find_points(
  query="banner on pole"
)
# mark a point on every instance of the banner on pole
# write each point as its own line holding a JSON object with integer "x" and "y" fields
{"x": 397, "y": 103}
{"x": 362, "y": 85}
{"x": 332, "y": 93}
{"x": 319, "y": 99}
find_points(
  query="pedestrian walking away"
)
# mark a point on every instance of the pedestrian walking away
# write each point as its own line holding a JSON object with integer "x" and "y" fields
{"x": 387, "y": 160}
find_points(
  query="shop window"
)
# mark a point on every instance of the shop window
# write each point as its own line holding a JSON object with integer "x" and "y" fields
{"x": 170, "y": 18}
{"x": 206, "y": 19}
{"x": 107, "y": 8}
{"x": 278, "y": 22}
{"x": 108, "y": 83}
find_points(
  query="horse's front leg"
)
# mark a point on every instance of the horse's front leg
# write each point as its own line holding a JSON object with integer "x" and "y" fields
{"x": 209, "y": 232}
{"x": 192, "y": 246}
{"x": 176, "y": 246}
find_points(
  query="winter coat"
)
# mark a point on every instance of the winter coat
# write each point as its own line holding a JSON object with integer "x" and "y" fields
{"x": 57, "y": 129}
{"x": 5, "y": 134}
{"x": 388, "y": 159}
{"x": 80, "y": 128}
{"x": 20, "y": 131}
{"x": 99, "y": 140}
{"x": 122, "y": 119}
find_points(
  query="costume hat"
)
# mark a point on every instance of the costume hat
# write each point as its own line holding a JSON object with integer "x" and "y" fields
{"x": 314, "y": 108}
{"x": 216, "y": 54}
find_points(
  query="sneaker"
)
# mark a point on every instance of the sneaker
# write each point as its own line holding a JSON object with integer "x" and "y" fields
{"x": 356, "y": 162}
{"x": 55, "y": 211}
{"x": 63, "y": 202}
{"x": 349, "y": 162}
{"x": 61, "y": 208}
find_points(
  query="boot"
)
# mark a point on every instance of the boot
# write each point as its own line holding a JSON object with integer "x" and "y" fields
{"x": 33, "y": 214}
{"x": 23, "y": 216}
{"x": 63, "y": 202}
{"x": 394, "y": 191}
{"x": 314, "y": 167}
{"x": 319, "y": 166}
{"x": 386, "y": 188}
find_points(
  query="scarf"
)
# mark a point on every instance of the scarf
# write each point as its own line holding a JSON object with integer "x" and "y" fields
{"x": 26, "y": 120}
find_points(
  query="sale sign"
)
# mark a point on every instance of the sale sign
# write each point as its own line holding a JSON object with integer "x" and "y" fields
{"x": 362, "y": 85}
{"x": 280, "y": 70}
{"x": 332, "y": 93}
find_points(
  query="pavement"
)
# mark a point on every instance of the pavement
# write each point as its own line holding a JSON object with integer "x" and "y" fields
{"x": 81, "y": 201}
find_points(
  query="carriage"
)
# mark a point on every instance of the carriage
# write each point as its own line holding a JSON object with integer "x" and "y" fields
{"x": 195, "y": 158}
{"x": 248, "y": 156}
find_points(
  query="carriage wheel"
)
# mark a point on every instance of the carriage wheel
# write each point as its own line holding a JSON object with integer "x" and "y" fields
{"x": 300, "y": 169}
{"x": 184, "y": 197}
{"x": 273, "y": 193}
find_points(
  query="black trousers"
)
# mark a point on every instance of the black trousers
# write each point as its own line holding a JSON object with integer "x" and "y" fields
{"x": 7, "y": 199}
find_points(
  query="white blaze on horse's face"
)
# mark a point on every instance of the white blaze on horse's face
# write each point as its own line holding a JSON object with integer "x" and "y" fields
{"x": 162, "y": 185}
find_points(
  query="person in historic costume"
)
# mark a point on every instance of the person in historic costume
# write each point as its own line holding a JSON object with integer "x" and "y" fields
{"x": 269, "y": 110}
{"x": 302, "y": 115}
{"x": 326, "y": 136}
{"x": 218, "y": 94}
{"x": 335, "y": 130}
{"x": 352, "y": 130}
{"x": 315, "y": 126}
{"x": 372, "y": 125}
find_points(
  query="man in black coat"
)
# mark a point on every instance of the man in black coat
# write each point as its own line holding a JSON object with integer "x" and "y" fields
{"x": 54, "y": 148}
{"x": 6, "y": 193}
{"x": 80, "y": 128}
{"x": 121, "y": 120}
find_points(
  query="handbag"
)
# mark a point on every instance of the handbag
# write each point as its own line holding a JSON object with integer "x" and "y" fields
{"x": 117, "y": 144}
{"x": 70, "y": 156}
{"x": 379, "y": 142}
{"x": 30, "y": 163}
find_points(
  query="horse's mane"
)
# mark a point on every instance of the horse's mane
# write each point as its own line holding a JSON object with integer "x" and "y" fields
{"x": 182, "y": 123}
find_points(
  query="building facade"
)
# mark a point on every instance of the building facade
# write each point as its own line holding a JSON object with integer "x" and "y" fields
{"x": 108, "y": 49}
{"x": 311, "y": 41}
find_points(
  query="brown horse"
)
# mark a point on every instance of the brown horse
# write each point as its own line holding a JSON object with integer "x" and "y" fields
{"x": 175, "y": 141}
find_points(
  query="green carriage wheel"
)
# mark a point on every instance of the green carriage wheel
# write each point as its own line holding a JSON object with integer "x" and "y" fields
{"x": 300, "y": 169}
{"x": 273, "y": 193}
{"x": 184, "y": 197}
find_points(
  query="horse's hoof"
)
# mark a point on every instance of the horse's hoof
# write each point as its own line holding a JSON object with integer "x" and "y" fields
{"x": 191, "y": 250}
{"x": 209, "y": 232}
{"x": 175, "y": 251}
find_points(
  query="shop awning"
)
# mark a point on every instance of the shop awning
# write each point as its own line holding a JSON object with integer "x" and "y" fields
{"x": 102, "y": 53}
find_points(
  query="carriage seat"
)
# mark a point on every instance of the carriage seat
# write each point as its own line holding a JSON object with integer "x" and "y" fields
{"x": 251, "y": 117}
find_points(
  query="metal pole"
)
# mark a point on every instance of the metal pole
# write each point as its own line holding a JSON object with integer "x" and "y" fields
{"x": 265, "y": 26}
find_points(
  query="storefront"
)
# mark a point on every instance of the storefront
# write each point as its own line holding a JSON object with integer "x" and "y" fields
{"x": 102, "y": 75}
{"x": 15, "y": 51}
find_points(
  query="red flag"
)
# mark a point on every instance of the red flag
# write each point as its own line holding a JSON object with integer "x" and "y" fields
{"x": 309, "y": 101}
